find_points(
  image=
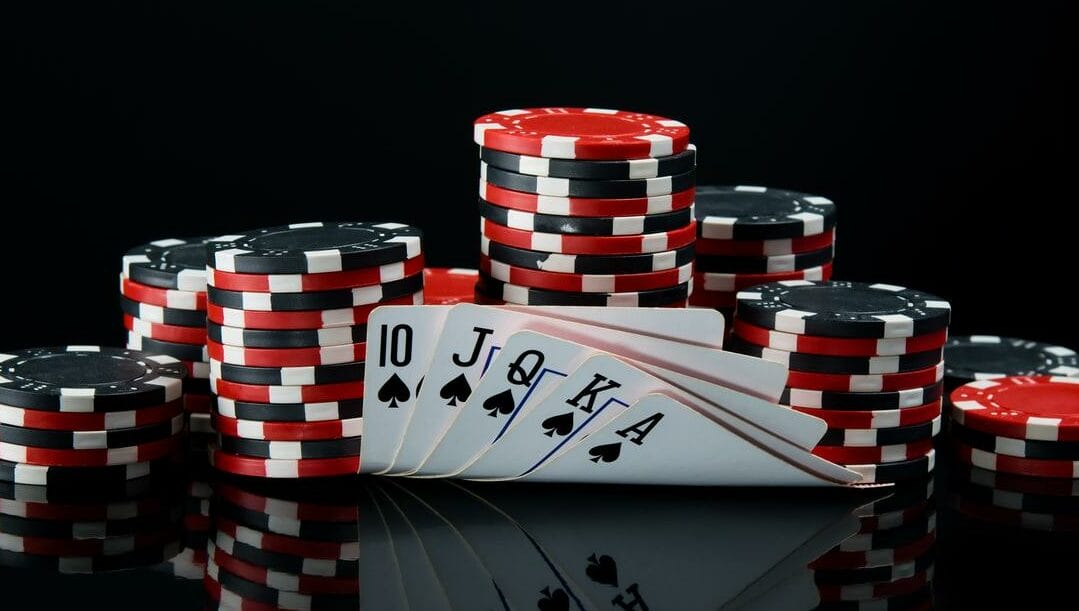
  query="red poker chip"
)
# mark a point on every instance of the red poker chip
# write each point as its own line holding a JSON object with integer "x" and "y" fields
{"x": 765, "y": 248}
{"x": 834, "y": 346}
{"x": 844, "y": 455}
{"x": 167, "y": 298}
{"x": 314, "y": 393}
{"x": 866, "y": 383}
{"x": 168, "y": 333}
{"x": 305, "y": 584}
{"x": 732, "y": 283}
{"x": 836, "y": 559}
{"x": 289, "y": 431}
{"x": 1033, "y": 467}
{"x": 585, "y": 206}
{"x": 590, "y": 245}
{"x": 286, "y": 544}
{"x": 875, "y": 419}
{"x": 581, "y": 133}
{"x": 305, "y": 283}
{"x": 91, "y": 458}
{"x": 286, "y": 357}
{"x": 1042, "y": 408}
{"x": 585, "y": 283}
{"x": 449, "y": 285}
{"x": 89, "y": 421}
{"x": 284, "y": 468}
{"x": 295, "y": 510}
{"x": 303, "y": 319}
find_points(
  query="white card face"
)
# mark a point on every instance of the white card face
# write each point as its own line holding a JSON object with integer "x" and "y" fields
{"x": 421, "y": 585}
{"x": 400, "y": 342}
{"x": 378, "y": 560}
{"x": 703, "y": 327}
{"x": 471, "y": 337}
{"x": 661, "y": 441}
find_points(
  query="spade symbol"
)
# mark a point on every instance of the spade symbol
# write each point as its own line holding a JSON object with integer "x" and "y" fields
{"x": 561, "y": 425}
{"x": 606, "y": 453}
{"x": 456, "y": 390}
{"x": 394, "y": 390}
{"x": 553, "y": 601}
{"x": 499, "y": 403}
{"x": 602, "y": 570}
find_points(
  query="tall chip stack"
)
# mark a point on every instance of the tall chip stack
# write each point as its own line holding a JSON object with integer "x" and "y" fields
{"x": 585, "y": 206}
{"x": 163, "y": 299}
{"x": 865, "y": 358}
{"x": 287, "y": 309}
{"x": 754, "y": 235}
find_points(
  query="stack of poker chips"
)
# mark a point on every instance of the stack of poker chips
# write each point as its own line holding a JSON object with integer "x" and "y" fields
{"x": 865, "y": 358}
{"x": 585, "y": 206}
{"x": 284, "y": 548}
{"x": 754, "y": 235}
{"x": 287, "y": 309}
{"x": 163, "y": 298}
{"x": 889, "y": 563}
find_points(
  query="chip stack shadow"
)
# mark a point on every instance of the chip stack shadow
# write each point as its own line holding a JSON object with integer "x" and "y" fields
{"x": 287, "y": 309}
{"x": 585, "y": 207}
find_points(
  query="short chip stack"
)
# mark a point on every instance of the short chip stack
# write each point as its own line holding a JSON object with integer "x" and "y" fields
{"x": 585, "y": 206}
{"x": 163, "y": 298}
{"x": 287, "y": 310}
{"x": 753, "y": 235}
{"x": 865, "y": 358}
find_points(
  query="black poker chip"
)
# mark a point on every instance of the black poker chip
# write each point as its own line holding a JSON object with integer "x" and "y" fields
{"x": 835, "y": 308}
{"x": 896, "y": 471}
{"x": 1009, "y": 446}
{"x": 285, "y": 563}
{"x": 320, "y": 300}
{"x": 587, "y": 264}
{"x": 764, "y": 264}
{"x": 345, "y": 409}
{"x": 308, "y": 248}
{"x": 291, "y": 450}
{"x": 80, "y": 479}
{"x": 304, "y": 529}
{"x": 570, "y": 187}
{"x": 172, "y": 264}
{"x": 289, "y": 376}
{"x": 582, "y": 225}
{"x": 163, "y": 315}
{"x": 85, "y": 440}
{"x": 880, "y": 437}
{"x": 590, "y": 169}
{"x": 862, "y": 401}
{"x": 758, "y": 213}
{"x": 88, "y": 378}
{"x": 511, "y": 293}
{"x": 980, "y": 357}
{"x": 296, "y": 338}
{"x": 183, "y": 352}
{"x": 821, "y": 363}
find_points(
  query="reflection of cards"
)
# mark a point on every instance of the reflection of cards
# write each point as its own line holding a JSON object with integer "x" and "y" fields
{"x": 616, "y": 395}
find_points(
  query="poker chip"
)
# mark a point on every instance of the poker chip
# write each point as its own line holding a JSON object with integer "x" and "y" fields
{"x": 291, "y": 563}
{"x": 294, "y": 338}
{"x": 586, "y": 264}
{"x": 850, "y": 438}
{"x": 178, "y": 351}
{"x": 307, "y": 283}
{"x": 314, "y": 319}
{"x": 88, "y": 379}
{"x": 171, "y": 264}
{"x": 734, "y": 282}
{"x": 291, "y": 450}
{"x": 149, "y": 451}
{"x": 290, "y": 412}
{"x": 288, "y": 376}
{"x": 90, "y": 440}
{"x": 279, "y": 580}
{"x": 162, "y": 315}
{"x": 321, "y": 300}
{"x": 764, "y": 265}
{"x": 866, "y": 383}
{"x": 1009, "y": 446}
{"x": 284, "y": 468}
{"x": 759, "y": 213}
{"x": 1034, "y": 467}
{"x": 822, "y": 363}
{"x": 285, "y": 544}
{"x": 894, "y": 454}
{"x": 286, "y": 357}
{"x": 287, "y": 394}
{"x": 585, "y": 283}
{"x": 591, "y": 226}
{"x": 862, "y": 347}
{"x": 524, "y": 295}
{"x": 89, "y": 421}
{"x": 843, "y": 309}
{"x": 1022, "y": 407}
{"x": 169, "y": 298}
{"x": 589, "y": 245}
{"x": 449, "y": 285}
{"x": 168, "y": 333}
{"x": 570, "y": 187}
{"x": 985, "y": 357}
{"x": 876, "y": 419}
{"x": 250, "y": 591}
{"x": 289, "y": 431}
{"x": 895, "y": 471}
{"x": 308, "y": 248}
{"x": 68, "y": 478}
{"x": 585, "y": 206}
{"x": 764, "y": 248}
{"x": 862, "y": 401}
{"x": 616, "y": 169}
{"x": 580, "y": 133}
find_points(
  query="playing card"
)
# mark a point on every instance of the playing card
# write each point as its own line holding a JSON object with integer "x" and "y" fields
{"x": 378, "y": 562}
{"x": 422, "y": 587}
{"x": 400, "y": 341}
{"x": 663, "y": 441}
{"x": 471, "y": 337}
